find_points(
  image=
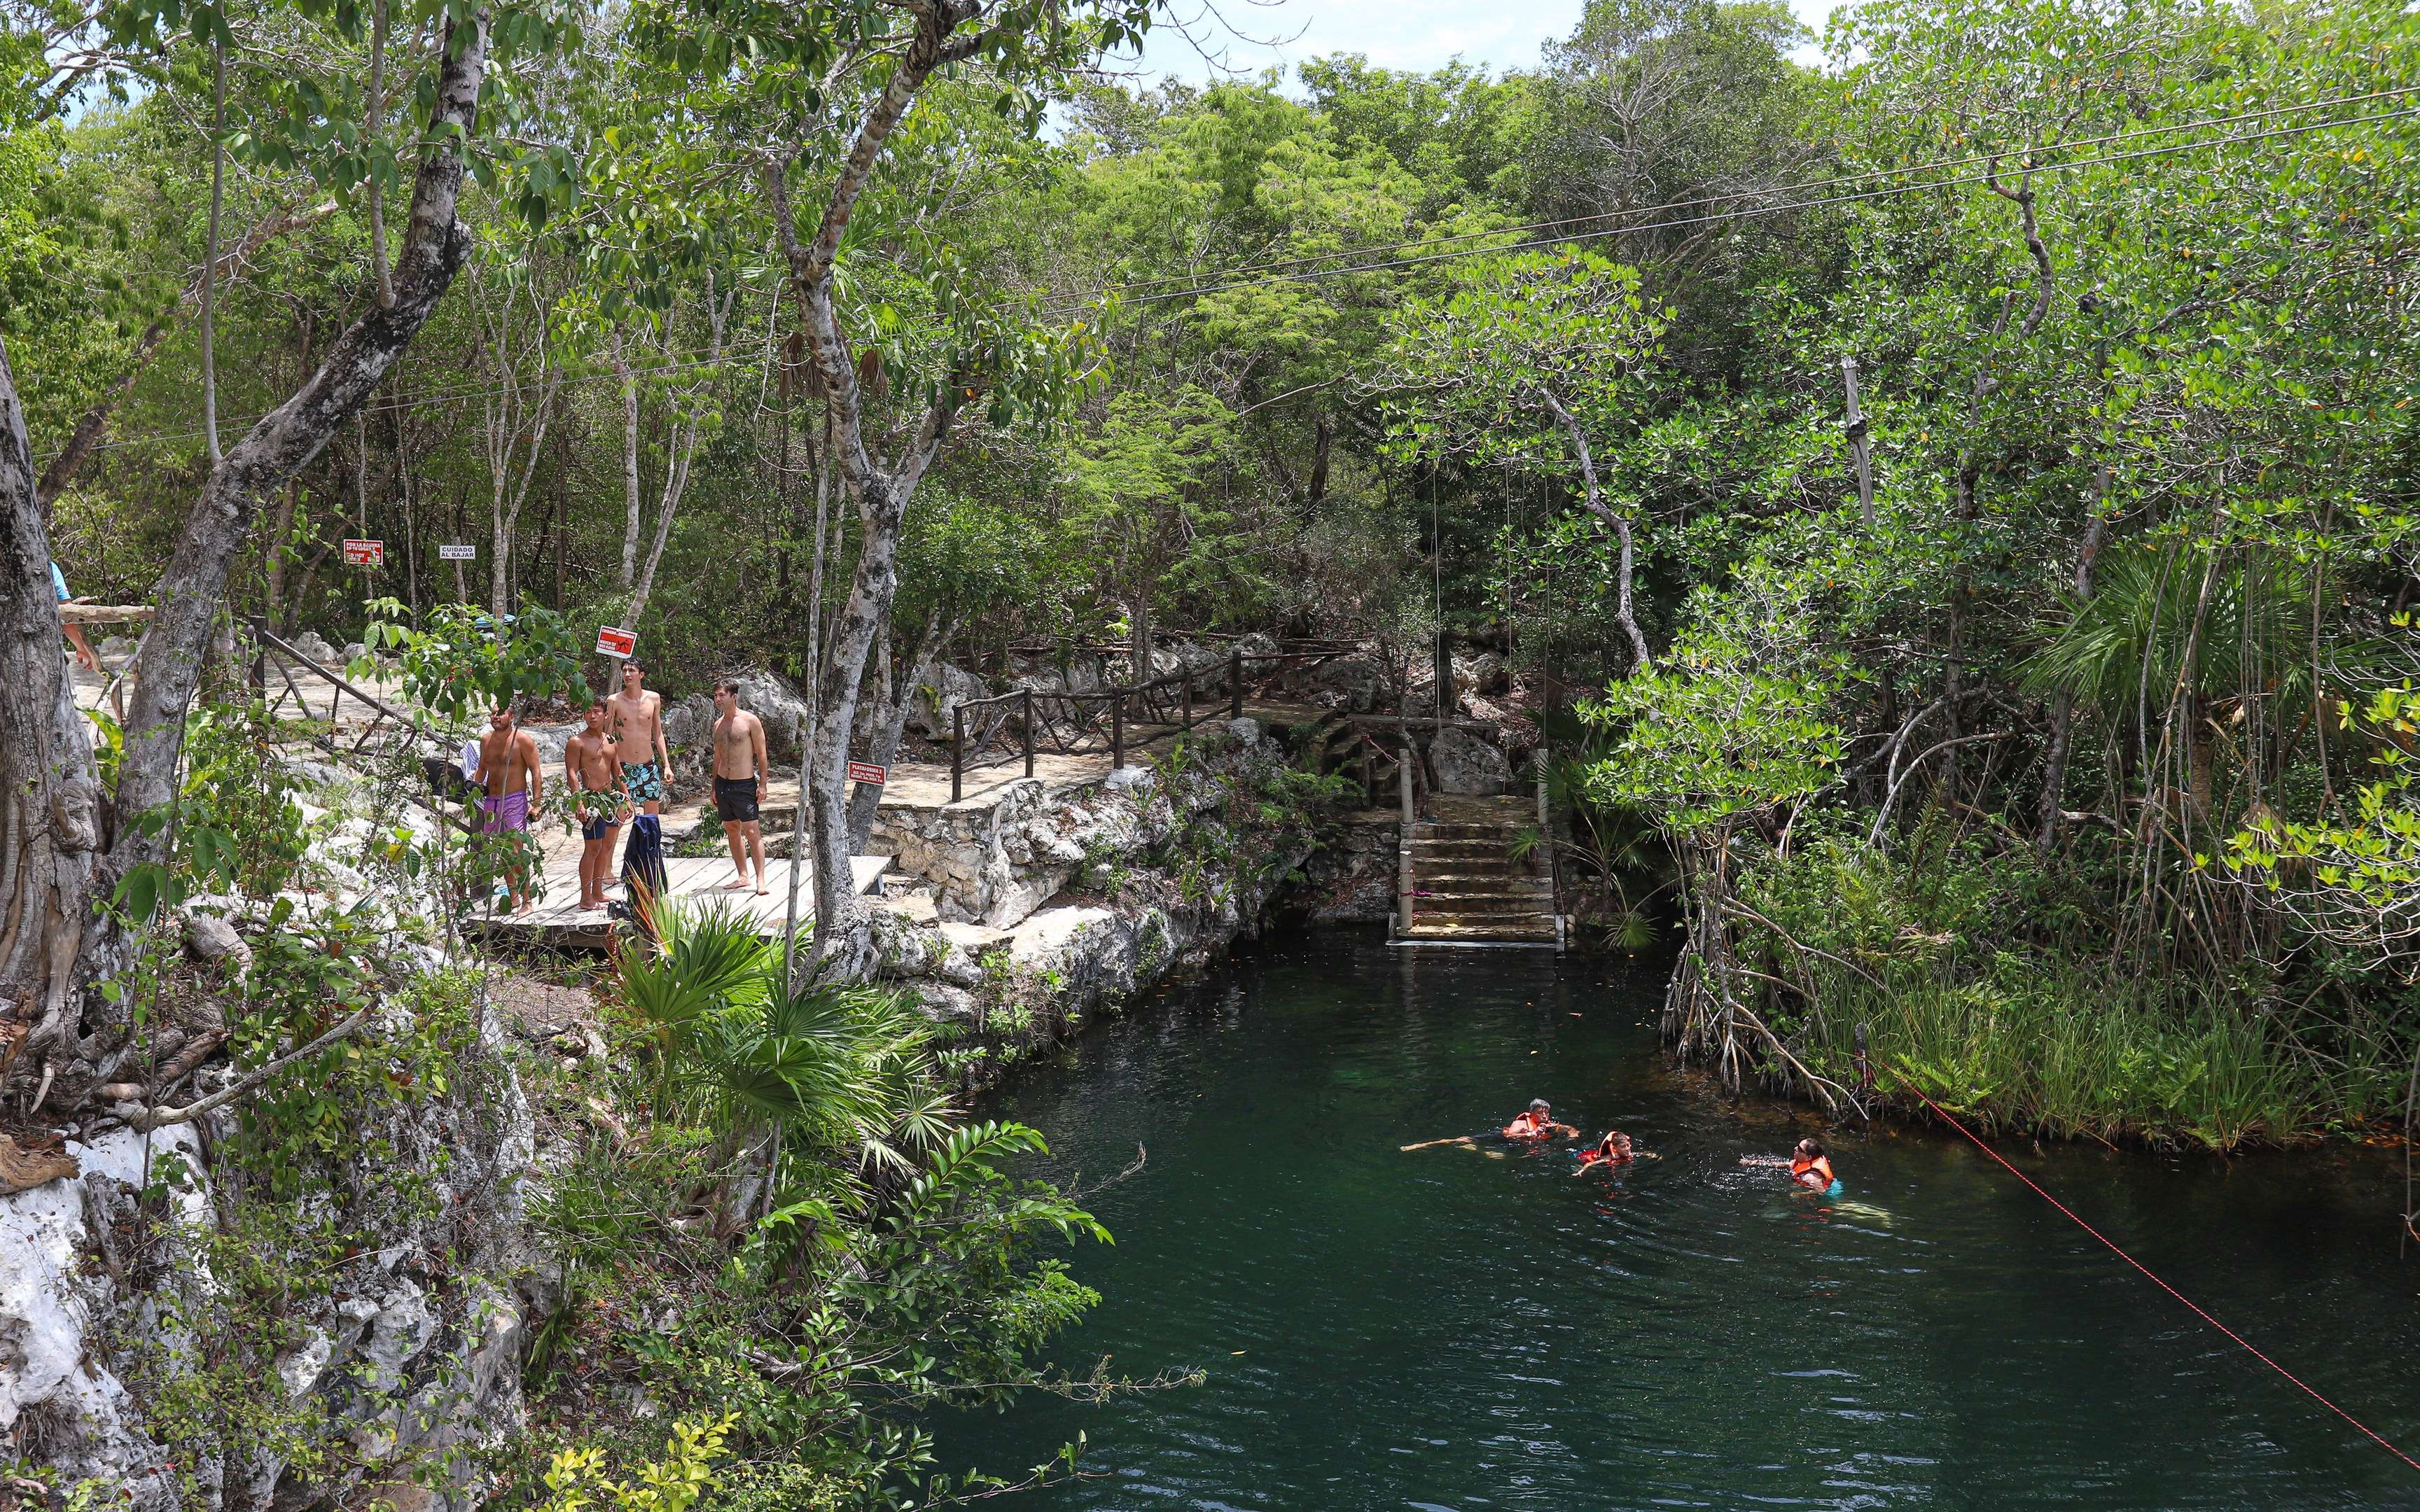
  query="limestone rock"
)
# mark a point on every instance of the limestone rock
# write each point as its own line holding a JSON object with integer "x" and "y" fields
{"x": 210, "y": 938}
{"x": 688, "y": 725}
{"x": 552, "y": 739}
{"x": 950, "y": 686}
{"x": 313, "y": 644}
{"x": 1468, "y": 765}
{"x": 1486, "y": 673}
{"x": 1353, "y": 683}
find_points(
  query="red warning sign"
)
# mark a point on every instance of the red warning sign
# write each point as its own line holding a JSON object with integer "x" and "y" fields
{"x": 365, "y": 553}
{"x": 612, "y": 642}
{"x": 869, "y": 774}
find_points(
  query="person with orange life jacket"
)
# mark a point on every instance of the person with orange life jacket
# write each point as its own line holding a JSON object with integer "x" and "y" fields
{"x": 1536, "y": 1122}
{"x": 1809, "y": 1166}
{"x": 1812, "y": 1169}
{"x": 1613, "y": 1149}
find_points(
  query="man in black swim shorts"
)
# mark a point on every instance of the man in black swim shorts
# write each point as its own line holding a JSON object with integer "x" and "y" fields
{"x": 740, "y": 784}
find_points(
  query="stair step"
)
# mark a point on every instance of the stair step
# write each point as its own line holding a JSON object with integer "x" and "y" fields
{"x": 1479, "y": 875}
{"x": 1423, "y": 930}
{"x": 1511, "y": 908}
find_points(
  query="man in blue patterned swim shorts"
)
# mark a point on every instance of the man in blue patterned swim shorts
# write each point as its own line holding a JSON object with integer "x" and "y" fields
{"x": 638, "y": 719}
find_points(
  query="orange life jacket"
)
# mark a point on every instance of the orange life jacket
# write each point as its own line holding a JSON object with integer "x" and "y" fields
{"x": 1526, "y": 1126}
{"x": 1820, "y": 1167}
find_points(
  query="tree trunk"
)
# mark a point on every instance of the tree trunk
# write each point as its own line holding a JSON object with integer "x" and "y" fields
{"x": 630, "y": 463}
{"x": 1140, "y": 647}
{"x": 1323, "y": 437}
{"x": 842, "y": 945}
{"x": 1620, "y": 523}
{"x": 891, "y": 722}
{"x": 2062, "y": 723}
{"x": 170, "y": 661}
{"x": 49, "y": 807}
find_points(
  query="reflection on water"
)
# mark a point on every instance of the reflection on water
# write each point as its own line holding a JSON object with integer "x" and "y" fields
{"x": 1463, "y": 1328}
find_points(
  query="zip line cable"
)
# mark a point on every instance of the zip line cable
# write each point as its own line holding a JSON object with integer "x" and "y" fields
{"x": 2195, "y": 1307}
{"x": 1312, "y": 275}
{"x": 1901, "y": 171}
{"x": 1751, "y": 212}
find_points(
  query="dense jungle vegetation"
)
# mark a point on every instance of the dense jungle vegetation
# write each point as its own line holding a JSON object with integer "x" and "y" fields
{"x": 2079, "y": 660}
{"x": 1951, "y": 512}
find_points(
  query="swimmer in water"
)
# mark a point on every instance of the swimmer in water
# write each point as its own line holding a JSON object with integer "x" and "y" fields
{"x": 1613, "y": 1149}
{"x": 1536, "y": 1122}
{"x": 1809, "y": 1166}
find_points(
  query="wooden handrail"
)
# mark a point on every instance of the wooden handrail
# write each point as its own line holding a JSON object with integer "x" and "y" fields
{"x": 75, "y": 613}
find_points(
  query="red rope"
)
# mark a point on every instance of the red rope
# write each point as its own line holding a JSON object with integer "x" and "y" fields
{"x": 2196, "y": 1307}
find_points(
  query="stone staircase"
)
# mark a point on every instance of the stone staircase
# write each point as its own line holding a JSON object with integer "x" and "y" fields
{"x": 1467, "y": 886}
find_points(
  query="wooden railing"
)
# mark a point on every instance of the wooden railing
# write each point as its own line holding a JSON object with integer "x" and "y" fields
{"x": 1027, "y": 720}
{"x": 397, "y": 723}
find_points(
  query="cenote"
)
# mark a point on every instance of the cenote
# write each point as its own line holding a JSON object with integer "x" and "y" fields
{"x": 1453, "y": 1328}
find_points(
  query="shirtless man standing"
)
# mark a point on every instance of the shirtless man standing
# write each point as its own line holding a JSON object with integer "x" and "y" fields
{"x": 594, "y": 779}
{"x": 638, "y": 720}
{"x": 516, "y": 791}
{"x": 740, "y": 784}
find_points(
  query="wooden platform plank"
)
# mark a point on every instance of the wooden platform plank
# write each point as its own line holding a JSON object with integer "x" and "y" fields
{"x": 556, "y": 919}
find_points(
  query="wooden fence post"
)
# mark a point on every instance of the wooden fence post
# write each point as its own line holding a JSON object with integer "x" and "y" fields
{"x": 1234, "y": 684}
{"x": 1028, "y": 731}
{"x": 1117, "y": 728}
{"x": 957, "y": 748}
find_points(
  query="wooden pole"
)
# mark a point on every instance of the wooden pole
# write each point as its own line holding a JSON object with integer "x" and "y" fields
{"x": 798, "y": 847}
{"x": 1028, "y": 731}
{"x": 1403, "y": 851}
{"x": 1859, "y": 448}
{"x": 1234, "y": 684}
{"x": 1117, "y": 728}
{"x": 957, "y": 748}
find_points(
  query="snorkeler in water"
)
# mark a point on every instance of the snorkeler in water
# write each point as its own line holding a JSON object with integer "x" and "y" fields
{"x": 1809, "y": 1166}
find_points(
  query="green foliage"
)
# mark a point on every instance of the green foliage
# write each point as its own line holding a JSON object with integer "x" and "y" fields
{"x": 462, "y": 662}
{"x": 1974, "y": 975}
{"x": 869, "y": 1257}
{"x": 2158, "y": 621}
{"x": 1492, "y": 370}
{"x": 1737, "y": 721}
{"x": 235, "y": 828}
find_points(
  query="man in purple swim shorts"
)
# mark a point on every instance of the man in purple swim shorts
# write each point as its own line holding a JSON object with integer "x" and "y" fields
{"x": 516, "y": 791}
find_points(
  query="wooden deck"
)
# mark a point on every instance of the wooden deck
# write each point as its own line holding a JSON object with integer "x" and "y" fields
{"x": 557, "y": 923}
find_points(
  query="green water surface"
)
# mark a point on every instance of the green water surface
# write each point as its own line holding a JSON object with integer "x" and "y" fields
{"x": 1463, "y": 1328}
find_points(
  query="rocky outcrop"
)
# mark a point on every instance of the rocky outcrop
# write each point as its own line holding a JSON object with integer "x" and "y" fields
{"x": 1466, "y": 766}
{"x": 930, "y": 712}
{"x": 405, "y": 1348}
{"x": 1032, "y": 910}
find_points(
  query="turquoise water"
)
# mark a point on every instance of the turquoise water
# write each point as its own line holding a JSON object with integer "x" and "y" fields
{"x": 1458, "y": 1329}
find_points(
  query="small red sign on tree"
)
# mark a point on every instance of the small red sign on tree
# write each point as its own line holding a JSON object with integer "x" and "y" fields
{"x": 869, "y": 774}
{"x": 365, "y": 553}
{"x": 612, "y": 642}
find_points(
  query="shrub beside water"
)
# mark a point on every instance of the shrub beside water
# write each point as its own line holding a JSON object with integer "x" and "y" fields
{"x": 1988, "y": 981}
